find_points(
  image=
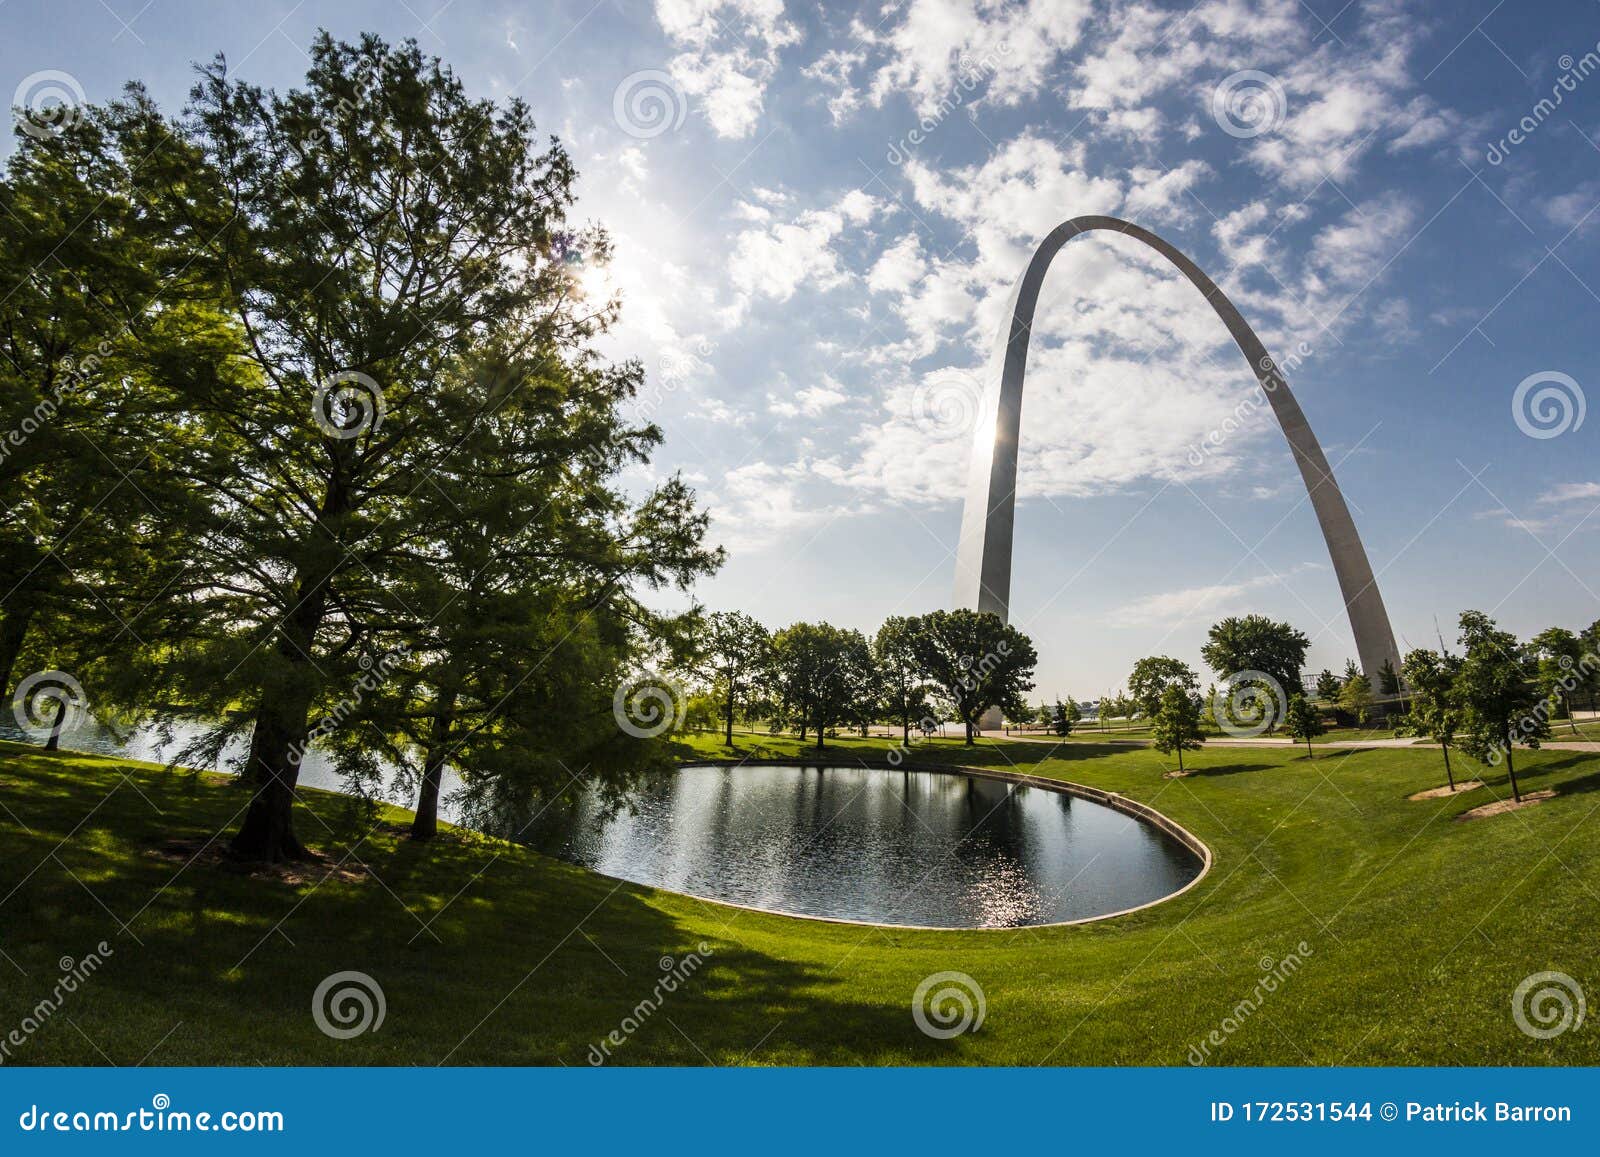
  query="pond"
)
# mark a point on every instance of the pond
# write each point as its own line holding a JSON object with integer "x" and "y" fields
{"x": 925, "y": 848}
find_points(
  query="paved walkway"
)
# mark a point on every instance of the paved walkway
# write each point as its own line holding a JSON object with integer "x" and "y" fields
{"x": 1588, "y": 745}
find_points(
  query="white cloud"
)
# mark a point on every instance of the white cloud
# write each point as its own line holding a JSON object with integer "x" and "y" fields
{"x": 898, "y": 267}
{"x": 776, "y": 261}
{"x": 1571, "y": 492}
{"x": 730, "y": 53}
{"x": 942, "y": 47}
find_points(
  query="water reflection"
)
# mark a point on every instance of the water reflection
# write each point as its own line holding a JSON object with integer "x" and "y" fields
{"x": 892, "y": 847}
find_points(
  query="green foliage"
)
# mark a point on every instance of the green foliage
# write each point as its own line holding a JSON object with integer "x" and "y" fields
{"x": 1177, "y": 725}
{"x": 976, "y": 661}
{"x": 1356, "y": 697}
{"x": 1152, "y": 676}
{"x": 1302, "y": 721}
{"x": 737, "y": 656}
{"x": 822, "y": 676}
{"x": 1388, "y": 679}
{"x": 1327, "y": 686}
{"x": 902, "y": 687}
{"x": 1434, "y": 709}
{"x": 1497, "y": 695}
{"x": 1257, "y": 643}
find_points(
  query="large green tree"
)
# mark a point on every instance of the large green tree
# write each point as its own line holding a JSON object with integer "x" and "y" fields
{"x": 819, "y": 671}
{"x": 737, "y": 654}
{"x": 98, "y": 309}
{"x": 976, "y": 661}
{"x": 1257, "y": 643}
{"x": 374, "y": 229}
{"x": 903, "y": 690}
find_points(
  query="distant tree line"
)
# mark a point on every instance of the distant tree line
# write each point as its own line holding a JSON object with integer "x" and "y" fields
{"x": 815, "y": 678}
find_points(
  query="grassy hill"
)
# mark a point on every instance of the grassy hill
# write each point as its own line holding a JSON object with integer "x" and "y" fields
{"x": 1417, "y": 928}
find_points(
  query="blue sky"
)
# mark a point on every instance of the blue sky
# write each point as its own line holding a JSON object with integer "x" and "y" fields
{"x": 819, "y": 210}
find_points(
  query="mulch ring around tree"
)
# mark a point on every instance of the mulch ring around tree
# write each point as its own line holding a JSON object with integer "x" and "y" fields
{"x": 1447, "y": 790}
{"x": 1529, "y": 798}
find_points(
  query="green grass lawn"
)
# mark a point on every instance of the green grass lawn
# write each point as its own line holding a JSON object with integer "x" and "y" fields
{"x": 1419, "y": 929}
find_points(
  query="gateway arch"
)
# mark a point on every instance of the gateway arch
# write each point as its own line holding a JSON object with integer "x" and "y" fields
{"x": 983, "y": 558}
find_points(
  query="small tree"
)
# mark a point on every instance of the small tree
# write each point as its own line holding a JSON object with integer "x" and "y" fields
{"x": 1176, "y": 726}
{"x": 1328, "y": 686}
{"x": 1151, "y": 677}
{"x": 1561, "y": 668}
{"x": 1301, "y": 721}
{"x": 1389, "y": 681}
{"x": 1064, "y": 716}
{"x": 1356, "y": 696}
{"x": 1499, "y": 704}
{"x": 1430, "y": 676}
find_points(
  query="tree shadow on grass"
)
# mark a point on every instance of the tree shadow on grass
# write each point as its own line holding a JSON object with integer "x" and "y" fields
{"x": 482, "y": 953}
{"x": 1227, "y": 769}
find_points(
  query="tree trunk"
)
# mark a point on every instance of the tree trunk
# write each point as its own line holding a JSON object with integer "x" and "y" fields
{"x": 905, "y": 730}
{"x": 54, "y": 741}
{"x": 13, "y": 631}
{"x": 426, "y": 824}
{"x": 1180, "y": 757}
{"x": 1448, "y": 774}
{"x": 1511, "y": 770}
{"x": 267, "y": 832}
{"x": 968, "y": 723}
{"x": 728, "y": 741}
{"x": 1309, "y": 754}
